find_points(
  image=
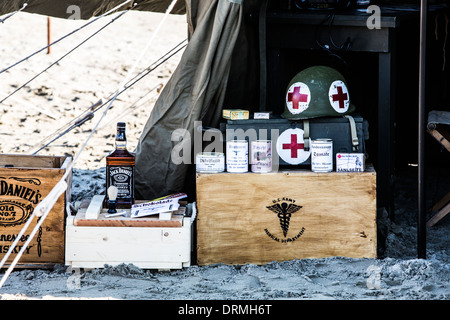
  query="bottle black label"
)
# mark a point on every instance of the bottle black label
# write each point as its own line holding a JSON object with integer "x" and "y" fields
{"x": 122, "y": 178}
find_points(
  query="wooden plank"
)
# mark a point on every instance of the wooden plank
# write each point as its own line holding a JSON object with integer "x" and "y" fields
{"x": 150, "y": 221}
{"x": 234, "y": 225}
{"x": 140, "y": 264}
{"x": 438, "y": 205}
{"x": 438, "y": 216}
{"x": 29, "y": 161}
{"x": 94, "y": 208}
{"x": 441, "y": 135}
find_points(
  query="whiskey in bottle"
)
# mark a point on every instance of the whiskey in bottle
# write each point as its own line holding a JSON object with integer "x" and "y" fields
{"x": 120, "y": 170}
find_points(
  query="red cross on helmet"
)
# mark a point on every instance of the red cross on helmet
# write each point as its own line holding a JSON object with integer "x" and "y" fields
{"x": 318, "y": 91}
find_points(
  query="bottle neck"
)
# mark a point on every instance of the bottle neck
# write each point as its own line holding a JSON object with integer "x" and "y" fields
{"x": 121, "y": 140}
{"x": 121, "y": 145}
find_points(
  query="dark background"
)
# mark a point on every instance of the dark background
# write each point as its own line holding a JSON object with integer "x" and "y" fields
{"x": 361, "y": 72}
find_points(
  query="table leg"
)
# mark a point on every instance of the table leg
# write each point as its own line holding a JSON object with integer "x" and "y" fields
{"x": 386, "y": 133}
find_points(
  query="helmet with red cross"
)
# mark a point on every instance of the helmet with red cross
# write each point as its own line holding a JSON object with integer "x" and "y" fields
{"x": 317, "y": 91}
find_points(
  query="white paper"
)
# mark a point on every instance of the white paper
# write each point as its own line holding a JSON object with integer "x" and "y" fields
{"x": 155, "y": 208}
{"x": 165, "y": 204}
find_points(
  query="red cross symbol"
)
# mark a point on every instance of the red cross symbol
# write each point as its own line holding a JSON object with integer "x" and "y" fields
{"x": 295, "y": 97}
{"x": 341, "y": 97}
{"x": 294, "y": 146}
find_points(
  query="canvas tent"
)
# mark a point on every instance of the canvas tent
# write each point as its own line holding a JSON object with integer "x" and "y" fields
{"x": 88, "y": 8}
{"x": 216, "y": 70}
{"x": 208, "y": 77}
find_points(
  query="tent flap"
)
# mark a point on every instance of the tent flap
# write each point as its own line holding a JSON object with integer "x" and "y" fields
{"x": 87, "y": 8}
{"x": 195, "y": 92}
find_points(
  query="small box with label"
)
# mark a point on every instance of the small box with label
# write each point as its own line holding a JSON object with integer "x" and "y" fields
{"x": 350, "y": 162}
{"x": 235, "y": 114}
{"x": 262, "y": 115}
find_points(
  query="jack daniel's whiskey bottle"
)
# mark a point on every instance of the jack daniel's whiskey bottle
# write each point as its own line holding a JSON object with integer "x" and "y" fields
{"x": 120, "y": 169}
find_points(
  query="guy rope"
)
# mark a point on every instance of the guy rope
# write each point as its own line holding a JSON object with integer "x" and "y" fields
{"x": 65, "y": 36}
{"x": 13, "y": 13}
{"x": 43, "y": 208}
{"x": 65, "y": 55}
{"x": 89, "y": 113}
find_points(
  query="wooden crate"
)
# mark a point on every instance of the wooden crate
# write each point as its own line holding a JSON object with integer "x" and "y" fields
{"x": 241, "y": 219}
{"x": 148, "y": 243}
{"x": 24, "y": 181}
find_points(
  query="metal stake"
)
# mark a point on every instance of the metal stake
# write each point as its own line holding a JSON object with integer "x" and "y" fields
{"x": 49, "y": 34}
{"x": 421, "y": 218}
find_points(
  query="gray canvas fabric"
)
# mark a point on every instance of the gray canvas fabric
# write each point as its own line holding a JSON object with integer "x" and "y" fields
{"x": 195, "y": 92}
{"x": 88, "y": 8}
{"x": 216, "y": 70}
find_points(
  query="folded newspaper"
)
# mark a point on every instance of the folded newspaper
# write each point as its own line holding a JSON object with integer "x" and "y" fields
{"x": 157, "y": 206}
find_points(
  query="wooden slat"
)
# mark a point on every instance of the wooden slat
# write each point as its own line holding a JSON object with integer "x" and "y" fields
{"x": 439, "y": 215}
{"x": 95, "y": 207}
{"x": 441, "y": 134}
{"x": 438, "y": 205}
{"x": 150, "y": 221}
{"x": 29, "y": 161}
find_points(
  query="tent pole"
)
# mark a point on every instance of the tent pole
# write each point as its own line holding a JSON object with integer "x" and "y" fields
{"x": 421, "y": 218}
{"x": 49, "y": 34}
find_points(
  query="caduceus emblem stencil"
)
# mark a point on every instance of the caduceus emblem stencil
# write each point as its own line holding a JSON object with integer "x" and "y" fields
{"x": 284, "y": 212}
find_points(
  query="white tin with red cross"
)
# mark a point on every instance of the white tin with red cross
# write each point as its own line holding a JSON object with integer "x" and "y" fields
{"x": 291, "y": 146}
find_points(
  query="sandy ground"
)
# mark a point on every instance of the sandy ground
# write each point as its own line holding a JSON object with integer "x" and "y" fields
{"x": 93, "y": 72}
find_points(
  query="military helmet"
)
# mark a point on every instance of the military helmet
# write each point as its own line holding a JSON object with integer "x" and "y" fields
{"x": 317, "y": 91}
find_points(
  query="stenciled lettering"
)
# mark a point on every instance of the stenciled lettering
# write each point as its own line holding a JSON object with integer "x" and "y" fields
{"x": 12, "y": 237}
{"x": 121, "y": 170}
{"x": 287, "y": 240}
{"x": 4, "y": 249}
{"x": 15, "y": 190}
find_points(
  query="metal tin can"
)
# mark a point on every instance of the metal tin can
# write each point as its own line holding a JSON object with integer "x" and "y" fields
{"x": 237, "y": 156}
{"x": 322, "y": 155}
{"x": 261, "y": 156}
{"x": 210, "y": 162}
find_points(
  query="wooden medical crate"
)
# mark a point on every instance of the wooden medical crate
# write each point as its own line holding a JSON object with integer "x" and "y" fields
{"x": 146, "y": 242}
{"x": 24, "y": 181}
{"x": 258, "y": 218}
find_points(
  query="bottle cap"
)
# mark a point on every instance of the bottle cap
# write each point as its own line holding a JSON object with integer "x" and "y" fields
{"x": 120, "y": 124}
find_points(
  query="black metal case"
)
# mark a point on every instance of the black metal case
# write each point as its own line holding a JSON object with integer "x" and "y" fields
{"x": 346, "y": 137}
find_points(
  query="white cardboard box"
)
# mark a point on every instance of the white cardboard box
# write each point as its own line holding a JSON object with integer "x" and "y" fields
{"x": 350, "y": 162}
